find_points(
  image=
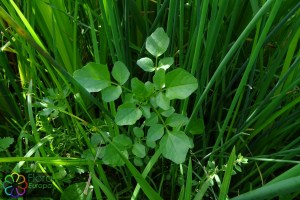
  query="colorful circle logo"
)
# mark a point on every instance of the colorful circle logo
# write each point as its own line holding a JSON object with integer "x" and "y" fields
{"x": 15, "y": 185}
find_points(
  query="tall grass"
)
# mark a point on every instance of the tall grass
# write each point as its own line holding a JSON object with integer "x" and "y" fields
{"x": 244, "y": 54}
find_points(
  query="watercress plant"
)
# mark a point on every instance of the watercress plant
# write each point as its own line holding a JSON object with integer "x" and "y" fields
{"x": 147, "y": 108}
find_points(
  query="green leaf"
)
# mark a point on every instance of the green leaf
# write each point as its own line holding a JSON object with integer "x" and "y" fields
{"x": 180, "y": 84}
{"x": 96, "y": 139}
{"x": 93, "y": 77}
{"x": 168, "y": 113}
{"x": 5, "y": 143}
{"x": 159, "y": 79}
{"x": 153, "y": 102}
{"x": 138, "y": 132}
{"x": 165, "y": 63}
{"x": 157, "y": 43}
{"x": 151, "y": 144}
{"x": 120, "y": 72}
{"x": 177, "y": 120}
{"x": 127, "y": 114}
{"x": 175, "y": 146}
{"x": 227, "y": 175}
{"x": 139, "y": 150}
{"x": 122, "y": 141}
{"x": 138, "y": 161}
{"x": 146, "y": 64}
{"x": 146, "y": 111}
{"x": 155, "y": 132}
{"x": 150, "y": 87}
{"x": 139, "y": 89}
{"x": 162, "y": 101}
{"x": 74, "y": 191}
{"x": 111, "y": 93}
{"x": 151, "y": 120}
{"x": 111, "y": 156}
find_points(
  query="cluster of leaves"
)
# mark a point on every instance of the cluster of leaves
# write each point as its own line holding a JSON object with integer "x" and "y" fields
{"x": 148, "y": 103}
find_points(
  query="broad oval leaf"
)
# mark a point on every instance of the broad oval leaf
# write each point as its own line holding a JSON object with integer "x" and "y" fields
{"x": 120, "y": 72}
{"x": 155, "y": 132}
{"x": 180, "y": 84}
{"x": 177, "y": 120}
{"x": 139, "y": 150}
{"x": 146, "y": 111}
{"x": 153, "y": 119}
{"x": 146, "y": 64}
{"x": 111, "y": 93}
{"x": 138, "y": 132}
{"x": 168, "y": 113}
{"x": 165, "y": 63}
{"x": 111, "y": 156}
{"x": 157, "y": 43}
{"x": 175, "y": 146}
{"x": 162, "y": 101}
{"x": 93, "y": 77}
{"x": 127, "y": 114}
{"x": 122, "y": 141}
{"x": 139, "y": 89}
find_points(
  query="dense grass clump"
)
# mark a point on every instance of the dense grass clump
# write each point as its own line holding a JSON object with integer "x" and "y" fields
{"x": 142, "y": 99}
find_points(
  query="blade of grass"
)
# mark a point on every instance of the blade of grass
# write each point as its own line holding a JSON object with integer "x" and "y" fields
{"x": 188, "y": 182}
{"x": 227, "y": 176}
{"x": 228, "y": 56}
{"x": 248, "y": 69}
{"x": 286, "y": 186}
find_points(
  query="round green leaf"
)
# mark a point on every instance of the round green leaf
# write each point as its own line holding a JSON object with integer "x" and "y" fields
{"x": 155, "y": 132}
{"x": 180, "y": 84}
{"x": 122, "y": 141}
{"x": 153, "y": 119}
{"x": 146, "y": 64}
{"x": 111, "y": 93}
{"x": 139, "y": 89}
{"x": 139, "y": 150}
{"x": 146, "y": 111}
{"x": 165, "y": 63}
{"x": 138, "y": 161}
{"x": 111, "y": 156}
{"x": 157, "y": 43}
{"x": 138, "y": 132}
{"x": 168, "y": 113}
{"x": 127, "y": 114}
{"x": 93, "y": 77}
{"x": 177, "y": 120}
{"x": 162, "y": 101}
{"x": 120, "y": 72}
{"x": 175, "y": 146}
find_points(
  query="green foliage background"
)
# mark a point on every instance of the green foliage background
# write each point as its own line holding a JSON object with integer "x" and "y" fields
{"x": 244, "y": 56}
